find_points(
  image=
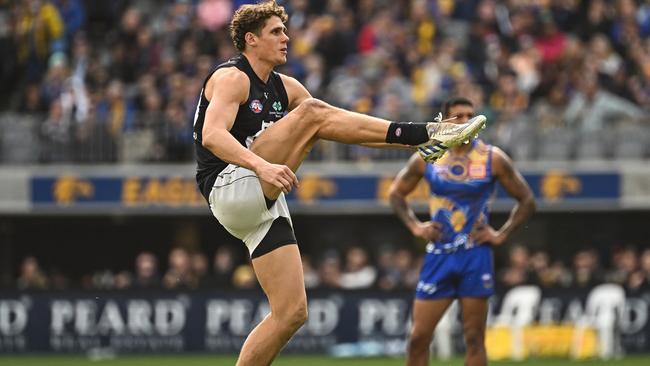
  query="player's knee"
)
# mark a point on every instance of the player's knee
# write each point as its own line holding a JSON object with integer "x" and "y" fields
{"x": 474, "y": 340}
{"x": 420, "y": 340}
{"x": 314, "y": 105}
{"x": 295, "y": 315}
{"x": 300, "y": 315}
{"x": 313, "y": 109}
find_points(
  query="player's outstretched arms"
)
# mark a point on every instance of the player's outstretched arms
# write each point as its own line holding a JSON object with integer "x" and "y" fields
{"x": 227, "y": 89}
{"x": 405, "y": 183}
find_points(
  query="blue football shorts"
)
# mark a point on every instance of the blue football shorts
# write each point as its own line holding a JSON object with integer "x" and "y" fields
{"x": 461, "y": 273}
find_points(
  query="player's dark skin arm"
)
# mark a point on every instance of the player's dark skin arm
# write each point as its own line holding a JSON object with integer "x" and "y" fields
{"x": 513, "y": 182}
{"x": 405, "y": 182}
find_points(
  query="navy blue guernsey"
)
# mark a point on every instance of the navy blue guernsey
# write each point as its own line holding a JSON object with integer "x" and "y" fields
{"x": 266, "y": 103}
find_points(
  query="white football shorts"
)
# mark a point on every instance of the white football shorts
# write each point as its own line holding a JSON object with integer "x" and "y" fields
{"x": 237, "y": 201}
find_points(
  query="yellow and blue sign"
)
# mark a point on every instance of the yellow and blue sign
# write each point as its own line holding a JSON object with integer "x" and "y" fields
{"x": 68, "y": 191}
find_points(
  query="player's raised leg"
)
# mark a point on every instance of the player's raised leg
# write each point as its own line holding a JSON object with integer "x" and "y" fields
{"x": 426, "y": 315}
{"x": 474, "y": 318}
{"x": 289, "y": 140}
{"x": 280, "y": 275}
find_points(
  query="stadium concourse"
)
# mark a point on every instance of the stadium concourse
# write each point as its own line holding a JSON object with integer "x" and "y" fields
{"x": 105, "y": 243}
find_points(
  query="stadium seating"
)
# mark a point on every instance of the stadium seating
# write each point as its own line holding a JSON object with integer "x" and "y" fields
{"x": 604, "y": 310}
{"x": 518, "y": 310}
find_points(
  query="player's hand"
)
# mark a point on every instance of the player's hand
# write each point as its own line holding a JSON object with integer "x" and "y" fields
{"x": 430, "y": 230}
{"x": 487, "y": 234}
{"x": 278, "y": 175}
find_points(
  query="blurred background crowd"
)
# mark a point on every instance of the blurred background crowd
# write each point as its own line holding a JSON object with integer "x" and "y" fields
{"x": 118, "y": 81}
{"x": 387, "y": 268}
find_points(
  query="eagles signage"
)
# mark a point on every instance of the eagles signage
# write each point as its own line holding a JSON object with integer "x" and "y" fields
{"x": 218, "y": 322}
{"x": 554, "y": 189}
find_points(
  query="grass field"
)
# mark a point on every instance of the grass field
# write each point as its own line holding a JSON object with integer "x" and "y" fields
{"x": 204, "y": 360}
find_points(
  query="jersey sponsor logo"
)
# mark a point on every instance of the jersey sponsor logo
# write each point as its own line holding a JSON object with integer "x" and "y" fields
{"x": 487, "y": 280}
{"x": 456, "y": 168}
{"x": 256, "y": 106}
{"x": 461, "y": 240}
{"x": 277, "y": 111}
{"x": 457, "y": 171}
{"x": 428, "y": 288}
{"x": 477, "y": 171}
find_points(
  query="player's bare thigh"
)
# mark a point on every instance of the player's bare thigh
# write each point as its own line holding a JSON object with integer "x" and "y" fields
{"x": 289, "y": 140}
{"x": 427, "y": 314}
{"x": 474, "y": 319}
{"x": 286, "y": 142}
{"x": 280, "y": 274}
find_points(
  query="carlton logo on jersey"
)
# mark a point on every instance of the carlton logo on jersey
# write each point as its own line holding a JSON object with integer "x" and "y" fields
{"x": 256, "y": 106}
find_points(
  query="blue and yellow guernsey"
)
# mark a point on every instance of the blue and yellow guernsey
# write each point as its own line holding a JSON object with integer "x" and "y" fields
{"x": 461, "y": 191}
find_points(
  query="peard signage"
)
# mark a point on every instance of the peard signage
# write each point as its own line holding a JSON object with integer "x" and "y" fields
{"x": 218, "y": 322}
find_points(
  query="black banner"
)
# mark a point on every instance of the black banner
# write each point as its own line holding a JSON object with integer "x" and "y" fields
{"x": 218, "y": 322}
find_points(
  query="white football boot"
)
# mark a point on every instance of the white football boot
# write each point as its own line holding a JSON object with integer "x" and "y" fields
{"x": 444, "y": 135}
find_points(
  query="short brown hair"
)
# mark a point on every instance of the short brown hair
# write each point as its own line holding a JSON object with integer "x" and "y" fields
{"x": 251, "y": 18}
{"x": 452, "y": 102}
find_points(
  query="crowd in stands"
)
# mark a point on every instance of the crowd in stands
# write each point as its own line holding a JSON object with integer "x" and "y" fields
{"x": 107, "y": 81}
{"x": 386, "y": 269}
{"x": 118, "y": 81}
